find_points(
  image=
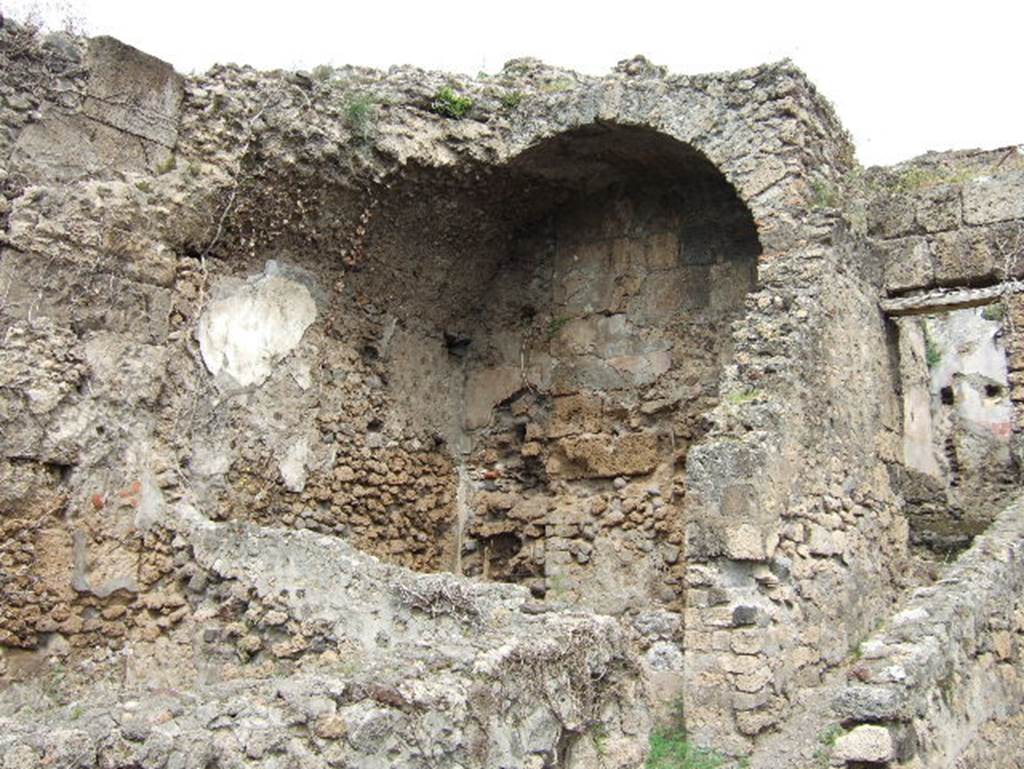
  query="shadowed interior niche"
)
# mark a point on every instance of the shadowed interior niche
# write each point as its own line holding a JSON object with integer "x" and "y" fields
{"x": 534, "y": 348}
{"x": 564, "y": 332}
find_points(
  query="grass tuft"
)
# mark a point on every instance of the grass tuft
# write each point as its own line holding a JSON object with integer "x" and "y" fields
{"x": 449, "y": 103}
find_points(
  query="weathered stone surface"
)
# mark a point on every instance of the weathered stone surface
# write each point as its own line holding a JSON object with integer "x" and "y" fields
{"x": 963, "y": 257}
{"x": 994, "y": 198}
{"x": 605, "y": 456}
{"x": 868, "y": 744}
{"x": 133, "y": 92}
{"x": 940, "y": 209}
{"x": 597, "y": 337}
{"x": 908, "y": 263}
{"x": 485, "y": 389}
{"x": 940, "y": 643}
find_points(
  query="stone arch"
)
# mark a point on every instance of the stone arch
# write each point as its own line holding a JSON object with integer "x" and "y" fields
{"x": 580, "y": 300}
{"x": 744, "y": 149}
{"x": 530, "y": 346}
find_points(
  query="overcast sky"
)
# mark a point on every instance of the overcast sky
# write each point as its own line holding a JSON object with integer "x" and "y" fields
{"x": 905, "y": 77}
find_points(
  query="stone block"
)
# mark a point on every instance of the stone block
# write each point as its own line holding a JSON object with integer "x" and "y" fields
{"x": 746, "y": 641}
{"x": 823, "y": 542}
{"x": 962, "y": 257}
{"x": 867, "y": 743}
{"x": 129, "y": 119}
{"x": 906, "y": 263}
{"x": 86, "y": 297}
{"x": 939, "y": 208}
{"x": 742, "y": 664}
{"x": 865, "y": 702}
{"x": 745, "y": 615}
{"x": 991, "y": 199}
{"x": 891, "y": 216}
{"x": 133, "y": 91}
{"x": 754, "y": 681}
{"x": 751, "y": 722}
{"x": 603, "y": 456}
{"x": 574, "y": 414}
{"x": 745, "y": 543}
{"x": 750, "y": 701}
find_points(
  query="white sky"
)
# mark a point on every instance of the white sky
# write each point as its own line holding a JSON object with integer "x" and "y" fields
{"x": 905, "y": 77}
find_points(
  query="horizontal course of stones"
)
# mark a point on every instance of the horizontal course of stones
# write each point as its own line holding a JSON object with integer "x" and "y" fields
{"x": 949, "y": 219}
{"x": 949, "y": 661}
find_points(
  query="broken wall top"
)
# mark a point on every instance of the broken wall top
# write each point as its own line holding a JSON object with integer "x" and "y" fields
{"x": 766, "y": 128}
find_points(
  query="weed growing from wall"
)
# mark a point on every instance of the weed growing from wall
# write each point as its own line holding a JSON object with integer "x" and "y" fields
{"x": 451, "y": 104}
{"x": 670, "y": 747}
{"x": 322, "y": 72}
{"x": 932, "y": 352}
{"x": 511, "y": 99}
{"x": 360, "y": 111}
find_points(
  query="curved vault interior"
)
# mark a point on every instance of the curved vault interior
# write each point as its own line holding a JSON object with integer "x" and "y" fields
{"x": 552, "y": 331}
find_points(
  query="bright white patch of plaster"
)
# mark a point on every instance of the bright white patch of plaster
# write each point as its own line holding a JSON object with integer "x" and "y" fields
{"x": 293, "y": 466}
{"x": 245, "y": 333}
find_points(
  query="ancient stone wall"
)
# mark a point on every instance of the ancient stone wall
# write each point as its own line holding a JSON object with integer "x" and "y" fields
{"x": 947, "y": 219}
{"x": 950, "y": 220}
{"x": 793, "y": 551}
{"x": 599, "y": 337}
{"x": 946, "y": 667}
{"x": 953, "y": 220}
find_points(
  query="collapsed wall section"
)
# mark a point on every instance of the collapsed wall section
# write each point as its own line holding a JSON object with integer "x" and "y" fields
{"x": 545, "y": 334}
{"x": 943, "y": 675}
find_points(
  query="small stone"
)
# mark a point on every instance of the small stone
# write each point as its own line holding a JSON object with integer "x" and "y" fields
{"x": 744, "y": 615}
{"x": 330, "y": 727}
{"x": 250, "y": 644}
{"x": 866, "y": 743}
{"x": 114, "y": 612}
{"x": 275, "y": 618}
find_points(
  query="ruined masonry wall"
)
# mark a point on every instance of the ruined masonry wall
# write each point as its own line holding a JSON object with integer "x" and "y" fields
{"x": 576, "y": 477}
{"x": 946, "y": 668}
{"x": 952, "y": 219}
{"x": 793, "y": 552}
{"x": 756, "y": 434}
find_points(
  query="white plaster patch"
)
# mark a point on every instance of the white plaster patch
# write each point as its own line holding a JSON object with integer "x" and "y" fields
{"x": 245, "y": 333}
{"x": 293, "y": 466}
{"x": 211, "y": 459}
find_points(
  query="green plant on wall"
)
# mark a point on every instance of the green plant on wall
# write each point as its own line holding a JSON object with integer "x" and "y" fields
{"x": 360, "y": 109}
{"x": 826, "y": 741}
{"x": 451, "y": 104}
{"x": 670, "y": 747}
{"x": 993, "y": 312}
{"x": 555, "y": 325}
{"x": 322, "y": 72}
{"x": 748, "y": 395}
{"x": 511, "y": 99}
{"x": 826, "y": 195}
{"x": 932, "y": 352}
